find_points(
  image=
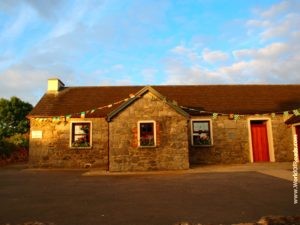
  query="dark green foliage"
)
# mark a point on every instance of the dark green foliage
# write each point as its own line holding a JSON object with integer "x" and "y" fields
{"x": 14, "y": 149}
{"x": 13, "y": 117}
{"x": 14, "y": 143}
{"x": 13, "y": 128}
{"x": 6, "y": 148}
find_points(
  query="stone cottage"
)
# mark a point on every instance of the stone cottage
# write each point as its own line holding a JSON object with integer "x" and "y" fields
{"x": 136, "y": 128}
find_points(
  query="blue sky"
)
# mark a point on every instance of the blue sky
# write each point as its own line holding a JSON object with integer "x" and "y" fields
{"x": 122, "y": 42}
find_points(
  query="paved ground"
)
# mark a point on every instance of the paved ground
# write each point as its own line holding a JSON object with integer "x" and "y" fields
{"x": 208, "y": 195}
{"x": 280, "y": 170}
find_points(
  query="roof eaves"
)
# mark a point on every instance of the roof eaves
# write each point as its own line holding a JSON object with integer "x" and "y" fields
{"x": 171, "y": 104}
{"x": 121, "y": 108}
{"x": 293, "y": 120}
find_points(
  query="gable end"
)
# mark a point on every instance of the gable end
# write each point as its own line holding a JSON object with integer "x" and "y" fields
{"x": 141, "y": 93}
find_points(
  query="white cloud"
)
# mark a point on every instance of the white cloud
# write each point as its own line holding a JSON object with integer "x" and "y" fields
{"x": 214, "y": 56}
{"x": 274, "y": 59}
{"x": 257, "y": 23}
{"x": 281, "y": 28}
{"x": 94, "y": 33}
{"x": 243, "y": 53}
{"x": 276, "y": 9}
{"x": 272, "y": 51}
{"x": 13, "y": 28}
{"x": 190, "y": 53}
{"x": 22, "y": 80}
{"x": 179, "y": 73}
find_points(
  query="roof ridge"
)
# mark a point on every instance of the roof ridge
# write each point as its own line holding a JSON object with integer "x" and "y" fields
{"x": 178, "y": 85}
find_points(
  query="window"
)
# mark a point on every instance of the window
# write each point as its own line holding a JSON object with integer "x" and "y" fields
{"x": 147, "y": 133}
{"x": 201, "y": 133}
{"x": 81, "y": 135}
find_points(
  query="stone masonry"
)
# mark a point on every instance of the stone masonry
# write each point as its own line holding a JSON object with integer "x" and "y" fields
{"x": 231, "y": 143}
{"x": 115, "y": 143}
{"x": 282, "y": 140}
{"x": 171, "y": 152}
{"x": 53, "y": 149}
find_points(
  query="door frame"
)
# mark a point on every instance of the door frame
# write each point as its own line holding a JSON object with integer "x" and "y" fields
{"x": 294, "y": 132}
{"x": 269, "y": 134}
{"x": 294, "y": 128}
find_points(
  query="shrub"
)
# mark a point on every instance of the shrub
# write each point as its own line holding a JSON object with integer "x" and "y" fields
{"x": 21, "y": 141}
{"x": 14, "y": 148}
{"x": 6, "y": 148}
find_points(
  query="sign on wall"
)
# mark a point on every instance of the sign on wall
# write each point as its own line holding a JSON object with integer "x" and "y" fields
{"x": 36, "y": 134}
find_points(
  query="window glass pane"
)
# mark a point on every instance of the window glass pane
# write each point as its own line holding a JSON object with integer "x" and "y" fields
{"x": 147, "y": 134}
{"x": 201, "y": 133}
{"x": 79, "y": 129}
{"x": 199, "y": 126}
{"x": 80, "y": 135}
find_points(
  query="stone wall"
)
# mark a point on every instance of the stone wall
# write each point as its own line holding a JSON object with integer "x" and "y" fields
{"x": 53, "y": 149}
{"x": 231, "y": 143}
{"x": 171, "y": 152}
{"x": 282, "y": 140}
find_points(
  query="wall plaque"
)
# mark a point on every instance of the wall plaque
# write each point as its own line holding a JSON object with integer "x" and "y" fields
{"x": 36, "y": 134}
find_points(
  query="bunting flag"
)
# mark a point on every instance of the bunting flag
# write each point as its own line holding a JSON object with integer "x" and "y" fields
{"x": 55, "y": 119}
{"x": 236, "y": 117}
{"x": 215, "y": 115}
{"x": 296, "y": 112}
{"x": 90, "y": 111}
{"x": 68, "y": 116}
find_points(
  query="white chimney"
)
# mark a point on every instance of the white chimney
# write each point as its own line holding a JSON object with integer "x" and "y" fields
{"x": 54, "y": 85}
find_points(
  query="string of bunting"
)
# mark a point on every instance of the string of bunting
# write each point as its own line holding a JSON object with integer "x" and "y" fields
{"x": 234, "y": 116}
{"x": 237, "y": 116}
{"x": 83, "y": 113}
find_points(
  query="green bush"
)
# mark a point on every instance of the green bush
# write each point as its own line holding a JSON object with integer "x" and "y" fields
{"x": 6, "y": 148}
{"x": 14, "y": 143}
{"x": 19, "y": 140}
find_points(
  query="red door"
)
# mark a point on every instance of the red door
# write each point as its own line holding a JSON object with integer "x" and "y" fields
{"x": 298, "y": 139}
{"x": 260, "y": 145}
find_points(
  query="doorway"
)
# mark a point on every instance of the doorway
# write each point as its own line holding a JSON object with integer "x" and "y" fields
{"x": 259, "y": 141}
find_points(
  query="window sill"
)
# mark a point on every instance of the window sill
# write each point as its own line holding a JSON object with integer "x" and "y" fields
{"x": 147, "y": 147}
{"x": 78, "y": 148}
{"x": 202, "y": 146}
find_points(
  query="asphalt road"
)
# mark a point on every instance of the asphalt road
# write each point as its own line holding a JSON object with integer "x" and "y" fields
{"x": 68, "y": 198}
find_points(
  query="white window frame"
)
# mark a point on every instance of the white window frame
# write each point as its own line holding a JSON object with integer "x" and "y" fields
{"x": 139, "y": 133}
{"x": 210, "y": 129}
{"x": 71, "y": 134}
